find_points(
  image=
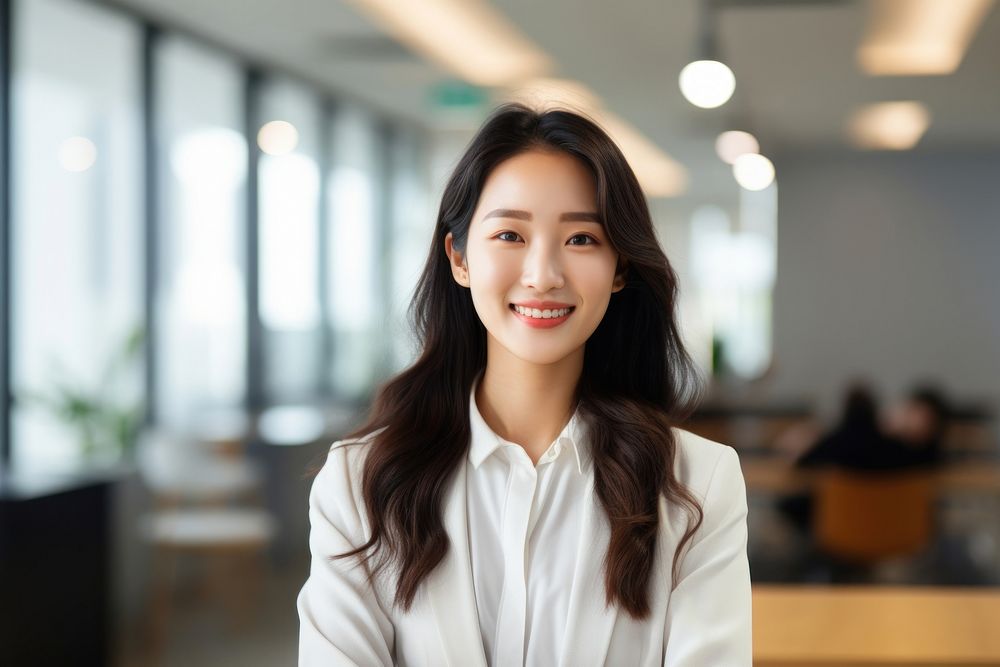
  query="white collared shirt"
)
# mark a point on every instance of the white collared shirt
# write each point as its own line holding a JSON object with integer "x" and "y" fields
{"x": 524, "y": 524}
{"x": 523, "y": 574}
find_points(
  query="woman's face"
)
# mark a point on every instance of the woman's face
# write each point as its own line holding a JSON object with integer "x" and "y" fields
{"x": 535, "y": 236}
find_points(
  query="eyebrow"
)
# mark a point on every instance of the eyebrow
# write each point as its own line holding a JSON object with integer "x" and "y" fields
{"x": 572, "y": 216}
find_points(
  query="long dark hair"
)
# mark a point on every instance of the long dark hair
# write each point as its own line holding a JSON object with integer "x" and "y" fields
{"x": 637, "y": 379}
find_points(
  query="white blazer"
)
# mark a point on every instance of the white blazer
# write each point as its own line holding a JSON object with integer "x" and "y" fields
{"x": 705, "y": 621}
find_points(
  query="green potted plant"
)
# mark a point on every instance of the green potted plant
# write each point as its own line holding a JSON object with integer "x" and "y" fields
{"x": 106, "y": 427}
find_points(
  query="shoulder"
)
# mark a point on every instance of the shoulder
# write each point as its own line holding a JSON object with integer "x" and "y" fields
{"x": 337, "y": 488}
{"x": 711, "y": 472}
{"x": 704, "y": 466}
{"x": 351, "y": 452}
{"x": 345, "y": 459}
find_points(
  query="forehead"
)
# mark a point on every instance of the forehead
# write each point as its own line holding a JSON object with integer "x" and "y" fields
{"x": 540, "y": 179}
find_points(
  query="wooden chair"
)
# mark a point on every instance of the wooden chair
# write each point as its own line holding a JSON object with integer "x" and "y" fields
{"x": 865, "y": 518}
{"x": 206, "y": 508}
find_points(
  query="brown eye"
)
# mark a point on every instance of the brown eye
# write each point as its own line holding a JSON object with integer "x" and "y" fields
{"x": 591, "y": 239}
{"x": 502, "y": 233}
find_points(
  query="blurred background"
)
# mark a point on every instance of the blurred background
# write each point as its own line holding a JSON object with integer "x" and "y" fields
{"x": 212, "y": 215}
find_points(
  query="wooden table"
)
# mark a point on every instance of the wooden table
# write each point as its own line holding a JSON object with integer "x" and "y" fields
{"x": 771, "y": 475}
{"x": 864, "y": 626}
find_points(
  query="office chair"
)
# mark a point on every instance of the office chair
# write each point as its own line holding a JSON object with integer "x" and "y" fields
{"x": 863, "y": 519}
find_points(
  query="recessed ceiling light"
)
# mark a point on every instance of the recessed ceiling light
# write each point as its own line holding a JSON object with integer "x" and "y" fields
{"x": 919, "y": 37}
{"x": 889, "y": 125}
{"x": 470, "y": 39}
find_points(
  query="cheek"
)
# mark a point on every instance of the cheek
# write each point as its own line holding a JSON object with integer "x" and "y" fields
{"x": 595, "y": 276}
{"x": 492, "y": 274}
{"x": 500, "y": 269}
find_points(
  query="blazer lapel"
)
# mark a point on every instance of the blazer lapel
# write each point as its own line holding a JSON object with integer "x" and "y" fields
{"x": 450, "y": 590}
{"x": 589, "y": 625}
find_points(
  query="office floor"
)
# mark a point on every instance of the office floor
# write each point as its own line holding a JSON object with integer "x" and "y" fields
{"x": 201, "y": 636}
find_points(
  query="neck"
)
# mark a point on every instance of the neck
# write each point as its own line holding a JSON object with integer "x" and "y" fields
{"x": 525, "y": 403}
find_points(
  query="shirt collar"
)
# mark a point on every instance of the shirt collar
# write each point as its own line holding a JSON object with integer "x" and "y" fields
{"x": 485, "y": 441}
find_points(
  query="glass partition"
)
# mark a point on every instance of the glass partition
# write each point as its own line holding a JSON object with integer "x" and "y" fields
{"x": 76, "y": 233}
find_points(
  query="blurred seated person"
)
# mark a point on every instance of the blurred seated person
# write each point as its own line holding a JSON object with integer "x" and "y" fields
{"x": 919, "y": 425}
{"x": 913, "y": 435}
{"x": 856, "y": 440}
{"x": 911, "y": 439}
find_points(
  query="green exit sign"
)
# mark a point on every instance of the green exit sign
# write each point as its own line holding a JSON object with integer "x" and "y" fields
{"x": 457, "y": 94}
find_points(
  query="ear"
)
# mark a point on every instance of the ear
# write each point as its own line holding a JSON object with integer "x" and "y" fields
{"x": 459, "y": 267}
{"x": 619, "y": 282}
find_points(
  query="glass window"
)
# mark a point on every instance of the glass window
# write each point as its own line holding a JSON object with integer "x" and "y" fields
{"x": 355, "y": 306}
{"x": 76, "y": 234}
{"x": 734, "y": 271}
{"x": 412, "y": 225}
{"x": 290, "y": 141}
{"x": 201, "y": 298}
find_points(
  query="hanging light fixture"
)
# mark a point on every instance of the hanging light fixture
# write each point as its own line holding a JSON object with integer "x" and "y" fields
{"x": 753, "y": 171}
{"x": 707, "y": 82}
{"x": 733, "y": 143}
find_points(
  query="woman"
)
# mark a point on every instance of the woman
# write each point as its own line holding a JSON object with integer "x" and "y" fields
{"x": 857, "y": 441}
{"x": 519, "y": 496}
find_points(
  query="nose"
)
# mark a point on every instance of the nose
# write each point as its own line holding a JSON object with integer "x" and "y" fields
{"x": 543, "y": 268}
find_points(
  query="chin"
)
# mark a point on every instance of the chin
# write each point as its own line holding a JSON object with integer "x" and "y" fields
{"x": 541, "y": 360}
{"x": 539, "y": 355}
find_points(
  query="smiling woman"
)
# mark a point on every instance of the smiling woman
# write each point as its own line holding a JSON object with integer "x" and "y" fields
{"x": 552, "y": 246}
{"x": 520, "y": 495}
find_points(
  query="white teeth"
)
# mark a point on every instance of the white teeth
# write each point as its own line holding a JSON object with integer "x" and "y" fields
{"x": 541, "y": 314}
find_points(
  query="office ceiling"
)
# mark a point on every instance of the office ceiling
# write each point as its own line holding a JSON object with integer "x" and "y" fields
{"x": 794, "y": 60}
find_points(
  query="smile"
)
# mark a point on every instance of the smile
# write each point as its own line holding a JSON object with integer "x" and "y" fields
{"x": 542, "y": 319}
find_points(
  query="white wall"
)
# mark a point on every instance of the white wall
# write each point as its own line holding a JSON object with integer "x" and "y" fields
{"x": 888, "y": 267}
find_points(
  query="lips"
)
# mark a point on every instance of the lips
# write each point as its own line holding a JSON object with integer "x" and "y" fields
{"x": 512, "y": 307}
{"x": 543, "y": 305}
{"x": 542, "y": 323}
